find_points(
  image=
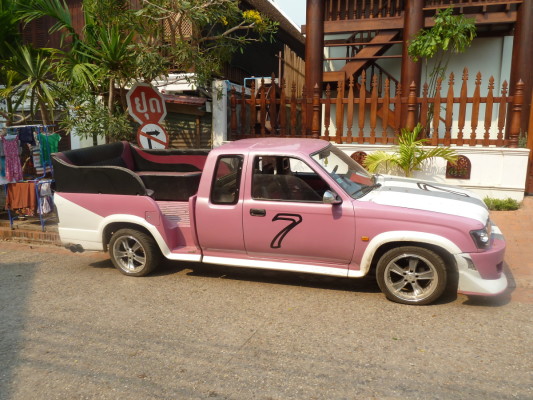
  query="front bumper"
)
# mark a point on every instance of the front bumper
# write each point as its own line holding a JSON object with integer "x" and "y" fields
{"x": 482, "y": 273}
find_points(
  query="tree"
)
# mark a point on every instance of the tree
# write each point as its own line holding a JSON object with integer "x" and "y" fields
{"x": 120, "y": 46}
{"x": 199, "y": 35}
{"x": 9, "y": 78}
{"x": 451, "y": 34}
{"x": 409, "y": 155}
{"x": 34, "y": 69}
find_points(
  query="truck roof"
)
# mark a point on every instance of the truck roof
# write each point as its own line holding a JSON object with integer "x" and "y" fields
{"x": 274, "y": 146}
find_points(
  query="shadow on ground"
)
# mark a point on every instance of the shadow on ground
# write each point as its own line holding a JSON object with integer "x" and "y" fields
{"x": 367, "y": 284}
{"x": 16, "y": 281}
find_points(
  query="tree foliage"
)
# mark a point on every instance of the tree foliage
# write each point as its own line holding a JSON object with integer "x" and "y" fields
{"x": 451, "y": 34}
{"x": 199, "y": 35}
{"x": 119, "y": 45}
{"x": 409, "y": 155}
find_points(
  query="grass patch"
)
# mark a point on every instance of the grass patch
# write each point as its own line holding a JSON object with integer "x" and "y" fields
{"x": 507, "y": 204}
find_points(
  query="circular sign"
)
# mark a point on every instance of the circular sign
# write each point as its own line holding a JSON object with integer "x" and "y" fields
{"x": 152, "y": 136}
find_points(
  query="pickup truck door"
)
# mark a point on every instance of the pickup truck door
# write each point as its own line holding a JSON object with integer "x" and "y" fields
{"x": 219, "y": 211}
{"x": 285, "y": 218}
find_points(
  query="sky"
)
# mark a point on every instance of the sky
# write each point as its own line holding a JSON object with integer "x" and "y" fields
{"x": 294, "y": 9}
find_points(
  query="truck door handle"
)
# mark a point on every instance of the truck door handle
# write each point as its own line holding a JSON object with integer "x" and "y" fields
{"x": 257, "y": 212}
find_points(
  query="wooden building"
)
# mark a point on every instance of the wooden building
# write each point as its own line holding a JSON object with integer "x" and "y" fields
{"x": 369, "y": 28}
{"x": 375, "y": 25}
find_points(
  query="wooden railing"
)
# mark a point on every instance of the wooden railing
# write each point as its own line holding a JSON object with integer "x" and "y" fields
{"x": 340, "y": 10}
{"x": 353, "y": 115}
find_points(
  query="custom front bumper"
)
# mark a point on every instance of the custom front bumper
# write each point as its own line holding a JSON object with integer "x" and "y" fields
{"x": 482, "y": 273}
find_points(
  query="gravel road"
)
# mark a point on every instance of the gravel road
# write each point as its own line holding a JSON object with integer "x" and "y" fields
{"x": 72, "y": 327}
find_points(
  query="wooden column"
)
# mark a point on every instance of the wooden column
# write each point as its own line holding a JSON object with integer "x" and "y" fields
{"x": 522, "y": 58}
{"x": 314, "y": 51}
{"x": 411, "y": 71}
{"x": 529, "y": 176}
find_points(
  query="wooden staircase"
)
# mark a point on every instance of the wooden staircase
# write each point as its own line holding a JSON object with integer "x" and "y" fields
{"x": 361, "y": 54}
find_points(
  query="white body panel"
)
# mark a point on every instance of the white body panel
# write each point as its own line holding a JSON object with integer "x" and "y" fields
{"x": 89, "y": 228}
{"x": 421, "y": 195}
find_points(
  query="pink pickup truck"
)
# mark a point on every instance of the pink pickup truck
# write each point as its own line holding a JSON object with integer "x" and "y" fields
{"x": 281, "y": 204}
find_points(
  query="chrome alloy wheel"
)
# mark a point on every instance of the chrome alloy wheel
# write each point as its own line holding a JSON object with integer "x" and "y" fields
{"x": 411, "y": 277}
{"x": 130, "y": 254}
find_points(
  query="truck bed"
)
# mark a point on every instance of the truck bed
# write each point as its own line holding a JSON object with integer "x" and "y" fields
{"x": 121, "y": 168}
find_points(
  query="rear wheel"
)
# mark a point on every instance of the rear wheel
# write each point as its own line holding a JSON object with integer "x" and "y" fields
{"x": 133, "y": 253}
{"x": 411, "y": 275}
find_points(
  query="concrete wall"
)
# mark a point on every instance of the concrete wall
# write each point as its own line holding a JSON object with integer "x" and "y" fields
{"x": 496, "y": 172}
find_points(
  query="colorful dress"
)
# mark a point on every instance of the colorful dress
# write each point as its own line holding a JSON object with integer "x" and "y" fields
{"x": 13, "y": 169}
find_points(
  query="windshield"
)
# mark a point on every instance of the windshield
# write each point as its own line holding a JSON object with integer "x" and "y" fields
{"x": 353, "y": 178}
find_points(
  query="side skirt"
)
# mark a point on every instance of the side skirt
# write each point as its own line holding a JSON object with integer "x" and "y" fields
{"x": 277, "y": 266}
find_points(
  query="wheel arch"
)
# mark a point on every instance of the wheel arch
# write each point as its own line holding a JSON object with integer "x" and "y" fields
{"x": 446, "y": 256}
{"x": 382, "y": 243}
{"x": 113, "y": 227}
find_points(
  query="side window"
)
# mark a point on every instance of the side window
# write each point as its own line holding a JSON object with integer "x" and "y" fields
{"x": 286, "y": 178}
{"x": 227, "y": 180}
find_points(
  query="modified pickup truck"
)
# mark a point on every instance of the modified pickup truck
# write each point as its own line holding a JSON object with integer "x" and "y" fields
{"x": 281, "y": 204}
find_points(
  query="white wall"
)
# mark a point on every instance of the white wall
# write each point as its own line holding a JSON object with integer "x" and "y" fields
{"x": 77, "y": 142}
{"x": 496, "y": 172}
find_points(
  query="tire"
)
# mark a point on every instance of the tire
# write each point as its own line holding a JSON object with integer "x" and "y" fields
{"x": 134, "y": 253}
{"x": 411, "y": 275}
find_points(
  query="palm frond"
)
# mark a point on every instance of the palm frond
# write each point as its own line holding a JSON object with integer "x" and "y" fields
{"x": 379, "y": 159}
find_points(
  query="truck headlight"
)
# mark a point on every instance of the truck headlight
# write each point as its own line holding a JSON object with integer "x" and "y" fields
{"x": 482, "y": 236}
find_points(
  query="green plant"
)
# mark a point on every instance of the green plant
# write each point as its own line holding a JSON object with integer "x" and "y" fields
{"x": 409, "y": 155}
{"x": 34, "y": 67}
{"x": 507, "y": 204}
{"x": 120, "y": 45}
{"x": 451, "y": 34}
{"x": 522, "y": 140}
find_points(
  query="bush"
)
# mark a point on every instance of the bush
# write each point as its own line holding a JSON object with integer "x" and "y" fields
{"x": 507, "y": 204}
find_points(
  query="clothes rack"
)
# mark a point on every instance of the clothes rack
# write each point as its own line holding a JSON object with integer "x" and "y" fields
{"x": 40, "y": 200}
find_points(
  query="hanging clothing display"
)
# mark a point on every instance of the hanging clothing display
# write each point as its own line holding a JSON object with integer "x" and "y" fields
{"x": 45, "y": 197}
{"x": 34, "y": 145}
{"x": 25, "y": 134}
{"x": 13, "y": 168}
{"x": 49, "y": 144}
{"x": 21, "y": 198}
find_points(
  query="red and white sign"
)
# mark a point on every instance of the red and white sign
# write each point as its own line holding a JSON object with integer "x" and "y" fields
{"x": 147, "y": 106}
{"x": 152, "y": 136}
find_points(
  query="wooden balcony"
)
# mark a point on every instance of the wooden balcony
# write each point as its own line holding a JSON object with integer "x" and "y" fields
{"x": 342, "y": 16}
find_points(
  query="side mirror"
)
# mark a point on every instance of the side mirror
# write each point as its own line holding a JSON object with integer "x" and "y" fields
{"x": 331, "y": 198}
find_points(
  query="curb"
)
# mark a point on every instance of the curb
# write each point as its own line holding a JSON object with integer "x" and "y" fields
{"x": 37, "y": 236}
{"x": 29, "y": 236}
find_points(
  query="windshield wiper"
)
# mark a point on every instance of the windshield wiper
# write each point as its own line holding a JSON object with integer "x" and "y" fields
{"x": 366, "y": 189}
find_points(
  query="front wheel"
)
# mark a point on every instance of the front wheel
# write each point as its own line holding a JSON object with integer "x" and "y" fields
{"x": 411, "y": 275}
{"x": 133, "y": 253}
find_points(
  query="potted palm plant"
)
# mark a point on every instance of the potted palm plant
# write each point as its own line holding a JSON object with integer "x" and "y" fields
{"x": 410, "y": 154}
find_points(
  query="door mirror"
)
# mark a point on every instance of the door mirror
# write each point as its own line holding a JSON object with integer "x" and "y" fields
{"x": 331, "y": 198}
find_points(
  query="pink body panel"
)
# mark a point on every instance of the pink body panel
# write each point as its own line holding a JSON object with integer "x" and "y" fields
{"x": 300, "y": 232}
{"x": 144, "y": 207}
{"x": 490, "y": 263}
